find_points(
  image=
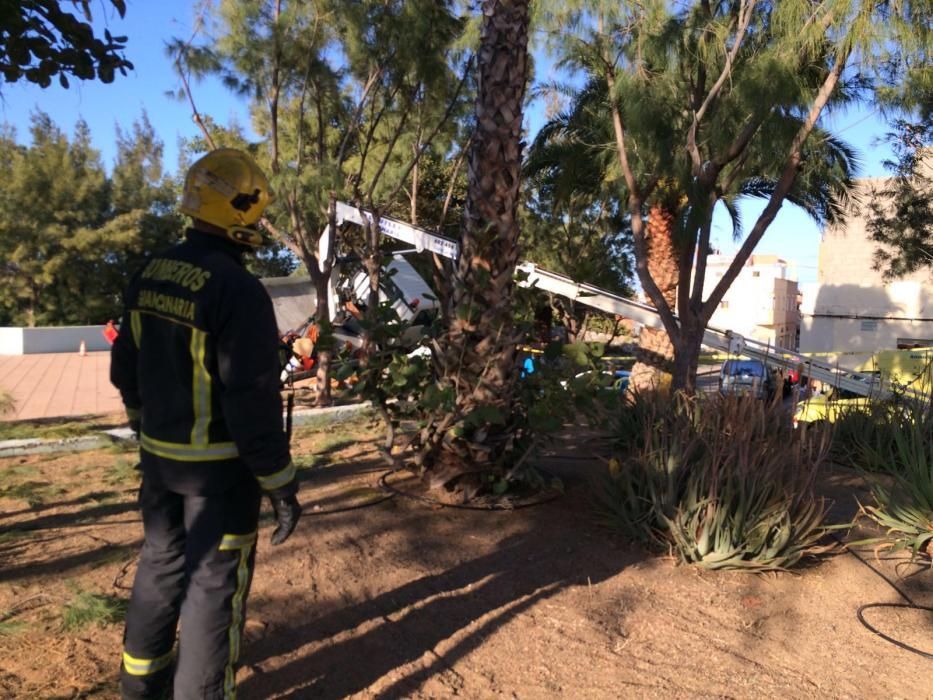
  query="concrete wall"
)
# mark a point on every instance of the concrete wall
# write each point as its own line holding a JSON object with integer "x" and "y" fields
{"x": 846, "y": 255}
{"x": 852, "y": 308}
{"x": 28, "y": 341}
{"x": 11, "y": 341}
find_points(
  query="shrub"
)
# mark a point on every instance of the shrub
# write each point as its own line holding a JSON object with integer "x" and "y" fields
{"x": 864, "y": 432}
{"x": 413, "y": 390}
{"x": 88, "y": 608}
{"x": 901, "y": 479}
{"x": 7, "y": 402}
{"x": 720, "y": 482}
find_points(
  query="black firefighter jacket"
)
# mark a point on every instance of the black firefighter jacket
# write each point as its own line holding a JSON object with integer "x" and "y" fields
{"x": 197, "y": 358}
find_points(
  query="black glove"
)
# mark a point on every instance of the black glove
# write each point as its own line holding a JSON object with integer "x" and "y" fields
{"x": 287, "y": 511}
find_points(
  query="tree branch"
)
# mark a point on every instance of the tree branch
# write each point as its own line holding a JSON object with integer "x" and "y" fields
{"x": 699, "y": 275}
{"x": 619, "y": 130}
{"x": 784, "y": 184}
{"x": 437, "y": 127}
{"x": 358, "y": 113}
{"x": 182, "y": 73}
{"x": 745, "y": 16}
{"x": 453, "y": 181}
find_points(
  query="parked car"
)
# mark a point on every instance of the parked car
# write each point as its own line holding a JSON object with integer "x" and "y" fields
{"x": 746, "y": 378}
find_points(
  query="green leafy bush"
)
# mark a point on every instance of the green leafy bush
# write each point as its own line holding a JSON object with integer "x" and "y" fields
{"x": 411, "y": 388}
{"x": 720, "y": 482}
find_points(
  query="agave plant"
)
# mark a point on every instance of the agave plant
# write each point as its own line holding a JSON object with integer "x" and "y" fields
{"x": 641, "y": 492}
{"x": 904, "y": 500}
{"x": 723, "y": 483}
{"x": 863, "y": 434}
{"x": 753, "y": 509}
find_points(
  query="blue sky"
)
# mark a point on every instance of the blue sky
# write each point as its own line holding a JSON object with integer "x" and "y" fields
{"x": 149, "y": 24}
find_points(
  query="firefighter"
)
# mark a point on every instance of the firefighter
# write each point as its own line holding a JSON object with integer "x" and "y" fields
{"x": 197, "y": 367}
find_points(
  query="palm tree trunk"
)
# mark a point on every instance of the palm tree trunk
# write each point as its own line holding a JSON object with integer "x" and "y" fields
{"x": 655, "y": 354}
{"x": 478, "y": 357}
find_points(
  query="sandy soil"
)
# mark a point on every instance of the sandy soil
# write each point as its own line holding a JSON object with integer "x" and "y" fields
{"x": 401, "y": 600}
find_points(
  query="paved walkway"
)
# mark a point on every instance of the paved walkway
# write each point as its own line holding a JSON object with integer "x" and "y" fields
{"x": 59, "y": 385}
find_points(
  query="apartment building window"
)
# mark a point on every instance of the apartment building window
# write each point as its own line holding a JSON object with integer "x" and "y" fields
{"x": 869, "y": 326}
{"x": 912, "y": 343}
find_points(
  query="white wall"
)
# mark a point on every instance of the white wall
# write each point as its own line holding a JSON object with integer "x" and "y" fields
{"x": 27, "y": 341}
{"x": 864, "y": 318}
{"x": 11, "y": 341}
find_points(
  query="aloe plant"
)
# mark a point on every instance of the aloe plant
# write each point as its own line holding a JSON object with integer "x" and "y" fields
{"x": 721, "y": 482}
{"x": 904, "y": 494}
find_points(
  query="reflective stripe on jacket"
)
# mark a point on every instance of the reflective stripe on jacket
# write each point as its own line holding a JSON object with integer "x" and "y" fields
{"x": 200, "y": 360}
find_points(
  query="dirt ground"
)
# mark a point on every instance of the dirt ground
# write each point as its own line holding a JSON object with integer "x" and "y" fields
{"x": 402, "y": 600}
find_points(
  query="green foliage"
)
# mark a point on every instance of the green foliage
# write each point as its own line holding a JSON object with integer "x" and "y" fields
{"x": 39, "y": 40}
{"x": 87, "y": 608}
{"x": 342, "y": 107}
{"x": 725, "y": 483}
{"x": 70, "y": 237}
{"x": 574, "y": 221}
{"x": 123, "y": 471}
{"x": 693, "y": 106}
{"x": 389, "y": 374}
{"x": 900, "y": 470}
{"x": 864, "y": 431}
{"x": 901, "y": 209}
{"x": 564, "y": 385}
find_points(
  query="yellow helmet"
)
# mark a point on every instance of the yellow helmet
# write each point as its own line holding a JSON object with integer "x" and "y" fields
{"x": 227, "y": 189}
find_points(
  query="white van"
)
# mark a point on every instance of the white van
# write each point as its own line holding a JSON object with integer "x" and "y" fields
{"x": 399, "y": 282}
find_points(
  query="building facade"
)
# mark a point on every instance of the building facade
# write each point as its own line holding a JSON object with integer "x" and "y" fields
{"x": 762, "y": 302}
{"x": 851, "y": 308}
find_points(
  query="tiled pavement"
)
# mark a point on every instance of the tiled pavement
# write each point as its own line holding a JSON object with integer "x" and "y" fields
{"x": 59, "y": 385}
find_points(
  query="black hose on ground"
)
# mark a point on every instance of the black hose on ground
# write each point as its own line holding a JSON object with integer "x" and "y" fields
{"x": 909, "y": 605}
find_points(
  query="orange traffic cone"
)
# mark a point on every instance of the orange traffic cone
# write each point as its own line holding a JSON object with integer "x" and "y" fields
{"x": 82, "y": 349}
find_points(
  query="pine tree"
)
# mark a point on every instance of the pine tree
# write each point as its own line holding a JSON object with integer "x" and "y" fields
{"x": 710, "y": 102}
{"x": 56, "y": 192}
{"x": 70, "y": 237}
{"x": 342, "y": 106}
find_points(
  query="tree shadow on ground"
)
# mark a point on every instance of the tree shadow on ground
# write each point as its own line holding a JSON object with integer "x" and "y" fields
{"x": 437, "y": 618}
{"x": 95, "y": 496}
{"x": 80, "y": 517}
{"x": 60, "y": 565}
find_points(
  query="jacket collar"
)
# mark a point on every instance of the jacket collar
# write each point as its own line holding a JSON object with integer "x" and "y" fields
{"x": 214, "y": 242}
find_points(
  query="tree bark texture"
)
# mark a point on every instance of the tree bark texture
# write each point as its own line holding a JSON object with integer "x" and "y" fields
{"x": 655, "y": 354}
{"x": 480, "y": 351}
{"x": 321, "y": 282}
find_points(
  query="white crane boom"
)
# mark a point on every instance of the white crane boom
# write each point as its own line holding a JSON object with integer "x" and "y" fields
{"x": 603, "y": 300}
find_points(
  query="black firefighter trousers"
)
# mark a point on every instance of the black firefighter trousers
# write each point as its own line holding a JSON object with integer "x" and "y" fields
{"x": 196, "y": 564}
